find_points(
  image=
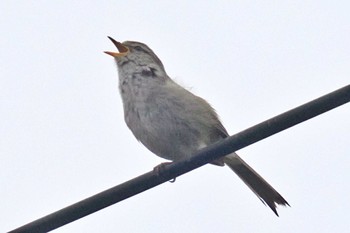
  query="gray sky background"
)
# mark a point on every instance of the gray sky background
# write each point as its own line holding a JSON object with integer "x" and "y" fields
{"x": 63, "y": 137}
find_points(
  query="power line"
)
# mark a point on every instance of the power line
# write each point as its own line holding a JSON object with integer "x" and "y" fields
{"x": 208, "y": 154}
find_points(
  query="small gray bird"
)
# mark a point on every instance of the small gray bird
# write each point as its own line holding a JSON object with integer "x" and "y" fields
{"x": 172, "y": 122}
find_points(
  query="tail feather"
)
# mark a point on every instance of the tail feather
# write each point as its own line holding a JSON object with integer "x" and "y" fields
{"x": 265, "y": 192}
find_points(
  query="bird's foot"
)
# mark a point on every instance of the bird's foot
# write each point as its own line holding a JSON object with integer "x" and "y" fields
{"x": 160, "y": 168}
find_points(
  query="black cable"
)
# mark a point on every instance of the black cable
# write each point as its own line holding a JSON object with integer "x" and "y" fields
{"x": 208, "y": 154}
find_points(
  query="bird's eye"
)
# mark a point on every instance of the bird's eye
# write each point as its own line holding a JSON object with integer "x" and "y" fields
{"x": 138, "y": 48}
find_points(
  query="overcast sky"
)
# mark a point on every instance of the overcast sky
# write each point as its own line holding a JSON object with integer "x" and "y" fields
{"x": 63, "y": 137}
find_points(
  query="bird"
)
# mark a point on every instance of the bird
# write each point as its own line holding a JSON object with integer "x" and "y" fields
{"x": 172, "y": 122}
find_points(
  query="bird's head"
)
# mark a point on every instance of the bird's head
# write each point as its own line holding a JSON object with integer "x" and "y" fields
{"x": 133, "y": 56}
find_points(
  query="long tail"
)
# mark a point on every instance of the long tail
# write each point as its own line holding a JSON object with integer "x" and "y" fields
{"x": 265, "y": 192}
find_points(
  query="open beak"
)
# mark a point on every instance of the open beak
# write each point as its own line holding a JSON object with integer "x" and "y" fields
{"x": 123, "y": 50}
